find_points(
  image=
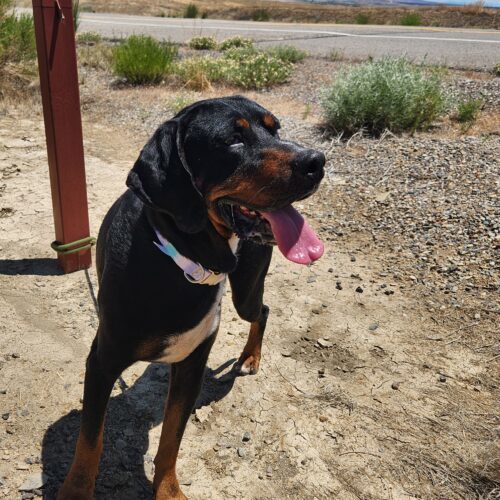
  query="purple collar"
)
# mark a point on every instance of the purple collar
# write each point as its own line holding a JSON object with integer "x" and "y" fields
{"x": 193, "y": 271}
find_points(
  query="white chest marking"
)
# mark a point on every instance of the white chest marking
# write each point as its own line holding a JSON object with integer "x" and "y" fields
{"x": 183, "y": 344}
{"x": 233, "y": 243}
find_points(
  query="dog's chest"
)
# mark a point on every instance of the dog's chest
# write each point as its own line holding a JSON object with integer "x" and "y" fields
{"x": 180, "y": 346}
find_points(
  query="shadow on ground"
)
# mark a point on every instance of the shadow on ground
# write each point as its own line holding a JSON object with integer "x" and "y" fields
{"x": 35, "y": 267}
{"x": 130, "y": 417}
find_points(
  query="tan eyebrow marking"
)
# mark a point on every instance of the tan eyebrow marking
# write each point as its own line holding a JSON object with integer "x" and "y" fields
{"x": 242, "y": 122}
{"x": 269, "y": 121}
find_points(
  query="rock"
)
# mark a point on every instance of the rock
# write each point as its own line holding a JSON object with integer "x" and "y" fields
{"x": 246, "y": 437}
{"x": 201, "y": 414}
{"x": 242, "y": 453}
{"x": 5, "y": 416}
{"x": 359, "y": 289}
{"x": 338, "y": 285}
{"x": 186, "y": 482}
{"x": 353, "y": 258}
{"x": 324, "y": 343}
{"x": 269, "y": 472}
{"x": 311, "y": 279}
{"x": 15, "y": 355}
{"x": 373, "y": 327}
{"x": 34, "y": 481}
{"x": 395, "y": 386}
{"x": 442, "y": 378}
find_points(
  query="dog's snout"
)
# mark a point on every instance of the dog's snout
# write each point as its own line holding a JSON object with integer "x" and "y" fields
{"x": 310, "y": 164}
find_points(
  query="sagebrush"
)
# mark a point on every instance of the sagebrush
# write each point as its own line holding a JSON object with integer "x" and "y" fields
{"x": 469, "y": 110}
{"x": 142, "y": 59}
{"x": 251, "y": 69}
{"x": 287, "y": 53}
{"x": 388, "y": 94}
{"x": 203, "y": 43}
{"x": 236, "y": 42}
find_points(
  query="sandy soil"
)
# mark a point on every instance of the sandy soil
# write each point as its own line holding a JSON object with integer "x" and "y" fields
{"x": 361, "y": 393}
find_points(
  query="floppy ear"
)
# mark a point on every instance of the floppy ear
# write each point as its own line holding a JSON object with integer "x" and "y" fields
{"x": 160, "y": 180}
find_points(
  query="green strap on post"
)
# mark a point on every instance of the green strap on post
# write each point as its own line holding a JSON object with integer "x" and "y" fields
{"x": 74, "y": 246}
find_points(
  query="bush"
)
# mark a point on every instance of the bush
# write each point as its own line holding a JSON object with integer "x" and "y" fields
{"x": 336, "y": 55}
{"x": 191, "y": 11}
{"x": 235, "y": 42}
{"x": 468, "y": 111}
{"x": 142, "y": 59}
{"x": 17, "y": 38}
{"x": 260, "y": 15}
{"x": 411, "y": 19}
{"x": 76, "y": 14}
{"x": 362, "y": 18}
{"x": 89, "y": 38}
{"x": 287, "y": 53}
{"x": 95, "y": 55}
{"x": 386, "y": 94}
{"x": 198, "y": 73}
{"x": 203, "y": 43}
{"x": 5, "y": 5}
{"x": 250, "y": 69}
{"x": 496, "y": 69}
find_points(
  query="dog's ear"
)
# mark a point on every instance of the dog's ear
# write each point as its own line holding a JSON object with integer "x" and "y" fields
{"x": 160, "y": 179}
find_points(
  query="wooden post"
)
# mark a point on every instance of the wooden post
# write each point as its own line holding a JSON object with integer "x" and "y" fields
{"x": 55, "y": 41}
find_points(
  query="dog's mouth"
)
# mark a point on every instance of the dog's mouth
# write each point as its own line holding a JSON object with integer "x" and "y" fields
{"x": 284, "y": 227}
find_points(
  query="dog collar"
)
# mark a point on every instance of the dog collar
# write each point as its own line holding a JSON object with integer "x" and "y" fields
{"x": 193, "y": 271}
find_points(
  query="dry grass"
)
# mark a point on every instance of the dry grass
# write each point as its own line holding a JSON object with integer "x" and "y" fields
{"x": 475, "y": 15}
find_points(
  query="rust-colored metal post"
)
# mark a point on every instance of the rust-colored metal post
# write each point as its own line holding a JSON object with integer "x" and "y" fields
{"x": 55, "y": 41}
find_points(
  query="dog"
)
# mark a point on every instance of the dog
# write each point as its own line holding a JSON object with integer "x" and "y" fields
{"x": 208, "y": 197}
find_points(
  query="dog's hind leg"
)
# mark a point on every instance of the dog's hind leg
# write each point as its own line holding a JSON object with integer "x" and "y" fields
{"x": 186, "y": 378}
{"x": 99, "y": 381}
{"x": 247, "y": 286}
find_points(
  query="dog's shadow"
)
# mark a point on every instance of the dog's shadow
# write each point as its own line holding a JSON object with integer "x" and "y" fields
{"x": 130, "y": 417}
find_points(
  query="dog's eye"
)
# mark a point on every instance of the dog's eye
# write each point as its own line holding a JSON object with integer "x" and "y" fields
{"x": 235, "y": 140}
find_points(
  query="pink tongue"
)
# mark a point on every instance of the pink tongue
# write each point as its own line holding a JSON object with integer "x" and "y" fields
{"x": 296, "y": 239}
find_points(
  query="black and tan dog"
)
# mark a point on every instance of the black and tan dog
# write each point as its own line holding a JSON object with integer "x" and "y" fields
{"x": 212, "y": 190}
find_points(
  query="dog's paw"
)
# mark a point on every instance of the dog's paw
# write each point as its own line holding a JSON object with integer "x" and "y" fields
{"x": 75, "y": 490}
{"x": 170, "y": 494}
{"x": 247, "y": 365}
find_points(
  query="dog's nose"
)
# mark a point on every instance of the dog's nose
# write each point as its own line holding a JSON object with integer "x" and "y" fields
{"x": 310, "y": 164}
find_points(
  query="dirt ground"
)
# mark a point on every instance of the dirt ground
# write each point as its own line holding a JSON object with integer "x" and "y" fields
{"x": 373, "y": 385}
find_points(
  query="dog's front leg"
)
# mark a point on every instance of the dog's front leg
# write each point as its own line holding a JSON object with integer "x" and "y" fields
{"x": 186, "y": 378}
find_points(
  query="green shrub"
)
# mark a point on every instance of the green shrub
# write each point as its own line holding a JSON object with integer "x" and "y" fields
{"x": 142, "y": 59}
{"x": 496, "y": 69}
{"x": 251, "y": 69}
{"x": 287, "y": 53}
{"x": 5, "y": 5}
{"x": 203, "y": 43}
{"x": 235, "y": 42}
{"x": 469, "y": 110}
{"x": 260, "y": 15}
{"x": 89, "y": 38}
{"x": 95, "y": 55}
{"x": 76, "y": 14}
{"x": 191, "y": 11}
{"x": 17, "y": 38}
{"x": 362, "y": 18}
{"x": 411, "y": 19}
{"x": 336, "y": 55}
{"x": 386, "y": 94}
{"x": 198, "y": 73}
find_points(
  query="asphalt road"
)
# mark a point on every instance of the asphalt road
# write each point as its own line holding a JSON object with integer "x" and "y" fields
{"x": 460, "y": 48}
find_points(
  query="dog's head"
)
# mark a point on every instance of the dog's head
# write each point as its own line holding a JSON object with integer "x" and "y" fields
{"x": 221, "y": 161}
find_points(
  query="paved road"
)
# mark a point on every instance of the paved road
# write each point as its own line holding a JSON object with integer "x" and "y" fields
{"x": 455, "y": 47}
